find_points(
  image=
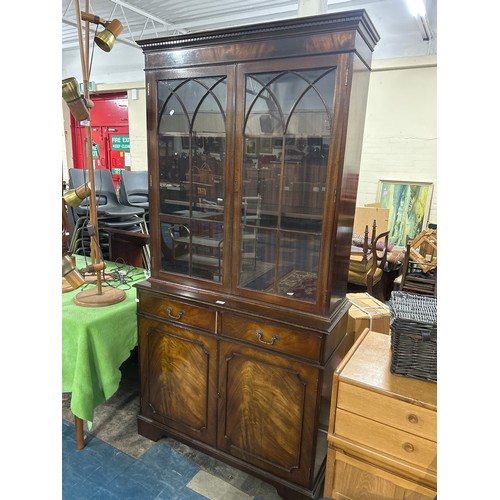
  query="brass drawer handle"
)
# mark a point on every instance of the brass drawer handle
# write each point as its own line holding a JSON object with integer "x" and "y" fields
{"x": 413, "y": 419}
{"x": 408, "y": 447}
{"x": 179, "y": 316}
{"x": 259, "y": 334}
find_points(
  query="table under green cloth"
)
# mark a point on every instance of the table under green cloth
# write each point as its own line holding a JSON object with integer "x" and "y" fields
{"x": 97, "y": 340}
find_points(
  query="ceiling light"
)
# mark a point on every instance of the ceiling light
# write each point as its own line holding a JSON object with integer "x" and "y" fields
{"x": 417, "y": 7}
{"x": 417, "y": 10}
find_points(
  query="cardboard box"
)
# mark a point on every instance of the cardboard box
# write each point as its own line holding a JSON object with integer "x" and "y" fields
{"x": 367, "y": 312}
{"x": 365, "y": 215}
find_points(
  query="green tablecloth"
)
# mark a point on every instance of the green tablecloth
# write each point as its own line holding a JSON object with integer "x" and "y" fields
{"x": 96, "y": 341}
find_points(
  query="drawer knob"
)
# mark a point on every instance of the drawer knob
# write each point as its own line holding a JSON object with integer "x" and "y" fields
{"x": 413, "y": 419}
{"x": 408, "y": 447}
{"x": 173, "y": 316}
{"x": 260, "y": 335}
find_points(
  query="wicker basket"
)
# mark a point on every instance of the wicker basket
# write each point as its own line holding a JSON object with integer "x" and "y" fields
{"x": 414, "y": 335}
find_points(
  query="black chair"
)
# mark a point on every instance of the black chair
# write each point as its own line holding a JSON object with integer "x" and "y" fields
{"x": 110, "y": 212}
{"x": 108, "y": 204}
{"x": 133, "y": 189}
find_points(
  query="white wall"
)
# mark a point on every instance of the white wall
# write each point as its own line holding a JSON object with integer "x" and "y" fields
{"x": 123, "y": 64}
{"x": 137, "y": 129}
{"x": 400, "y": 138}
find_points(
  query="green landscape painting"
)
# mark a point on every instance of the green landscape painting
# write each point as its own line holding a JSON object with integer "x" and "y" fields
{"x": 409, "y": 205}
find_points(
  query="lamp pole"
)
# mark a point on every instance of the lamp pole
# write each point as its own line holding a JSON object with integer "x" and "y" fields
{"x": 108, "y": 295}
{"x": 84, "y": 58}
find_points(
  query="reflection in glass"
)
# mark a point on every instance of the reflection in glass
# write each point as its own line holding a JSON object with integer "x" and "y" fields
{"x": 191, "y": 157}
{"x": 288, "y": 118}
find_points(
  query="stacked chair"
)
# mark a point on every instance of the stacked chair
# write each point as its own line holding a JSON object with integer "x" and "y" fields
{"x": 133, "y": 191}
{"x": 111, "y": 213}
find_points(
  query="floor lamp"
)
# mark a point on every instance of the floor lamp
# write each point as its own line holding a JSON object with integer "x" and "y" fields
{"x": 79, "y": 107}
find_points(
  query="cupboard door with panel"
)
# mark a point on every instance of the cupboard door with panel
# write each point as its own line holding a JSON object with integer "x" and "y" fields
{"x": 178, "y": 379}
{"x": 267, "y": 410}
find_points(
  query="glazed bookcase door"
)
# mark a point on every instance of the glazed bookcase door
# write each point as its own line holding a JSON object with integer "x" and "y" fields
{"x": 287, "y": 135}
{"x": 192, "y": 151}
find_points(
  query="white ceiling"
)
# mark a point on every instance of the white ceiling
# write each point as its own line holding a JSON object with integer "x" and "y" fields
{"x": 142, "y": 19}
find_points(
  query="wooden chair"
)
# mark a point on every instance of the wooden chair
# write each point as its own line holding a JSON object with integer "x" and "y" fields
{"x": 366, "y": 264}
{"x": 128, "y": 247}
{"x": 420, "y": 269}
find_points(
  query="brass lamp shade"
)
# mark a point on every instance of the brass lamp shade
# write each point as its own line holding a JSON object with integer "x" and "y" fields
{"x": 72, "y": 276}
{"x": 70, "y": 89}
{"x": 74, "y": 197}
{"x": 76, "y": 103}
{"x": 106, "y": 38}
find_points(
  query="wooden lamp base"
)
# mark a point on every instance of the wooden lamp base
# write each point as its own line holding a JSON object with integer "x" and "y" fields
{"x": 91, "y": 297}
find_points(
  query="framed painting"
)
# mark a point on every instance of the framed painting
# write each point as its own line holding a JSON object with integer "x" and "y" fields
{"x": 265, "y": 145}
{"x": 409, "y": 204}
{"x": 250, "y": 146}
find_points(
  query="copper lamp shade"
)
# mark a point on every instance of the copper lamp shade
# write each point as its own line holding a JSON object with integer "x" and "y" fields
{"x": 106, "y": 38}
{"x": 75, "y": 102}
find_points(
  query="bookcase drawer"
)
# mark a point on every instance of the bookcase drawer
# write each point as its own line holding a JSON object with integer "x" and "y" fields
{"x": 177, "y": 311}
{"x": 272, "y": 336}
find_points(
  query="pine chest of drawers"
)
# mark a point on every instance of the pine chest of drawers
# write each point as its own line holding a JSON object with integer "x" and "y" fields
{"x": 382, "y": 436}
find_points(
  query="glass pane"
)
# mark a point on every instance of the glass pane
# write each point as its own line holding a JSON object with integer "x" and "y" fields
{"x": 173, "y": 160}
{"x": 298, "y": 265}
{"x": 258, "y": 260}
{"x": 287, "y": 131}
{"x": 191, "y": 153}
{"x": 194, "y": 247}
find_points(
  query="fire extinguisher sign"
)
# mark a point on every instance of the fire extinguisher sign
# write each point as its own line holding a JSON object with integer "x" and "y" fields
{"x": 120, "y": 143}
